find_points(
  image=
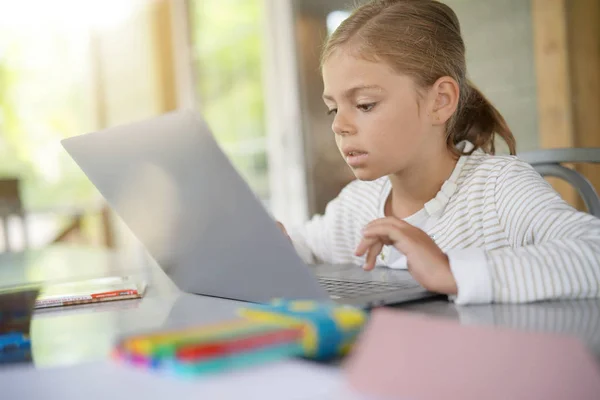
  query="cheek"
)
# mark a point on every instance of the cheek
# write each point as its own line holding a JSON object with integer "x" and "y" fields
{"x": 398, "y": 126}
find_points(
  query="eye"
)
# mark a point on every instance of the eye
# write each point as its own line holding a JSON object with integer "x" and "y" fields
{"x": 366, "y": 107}
{"x": 332, "y": 111}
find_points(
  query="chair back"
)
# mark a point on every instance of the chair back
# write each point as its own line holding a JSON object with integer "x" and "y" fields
{"x": 548, "y": 162}
{"x": 11, "y": 206}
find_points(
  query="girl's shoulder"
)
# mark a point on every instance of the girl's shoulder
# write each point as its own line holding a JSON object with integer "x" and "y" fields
{"x": 481, "y": 165}
{"x": 362, "y": 197}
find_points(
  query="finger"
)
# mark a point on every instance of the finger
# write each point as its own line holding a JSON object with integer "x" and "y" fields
{"x": 282, "y": 228}
{"x": 387, "y": 234}
{"x": 280, "y": 225}
{"x": 365, "y": 244}
{"x": 390, "y": 222}
{"x": 372, "y": 256}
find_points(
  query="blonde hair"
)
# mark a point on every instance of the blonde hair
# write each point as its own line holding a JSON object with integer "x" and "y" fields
{"x": 422, "y": 39}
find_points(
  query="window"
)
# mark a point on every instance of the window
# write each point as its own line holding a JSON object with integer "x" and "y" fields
{"x": 43, "y": 98}
{"x": 47, "y": 93}
{"x": 335, "y": 18}
{"x": 228, "y": 56}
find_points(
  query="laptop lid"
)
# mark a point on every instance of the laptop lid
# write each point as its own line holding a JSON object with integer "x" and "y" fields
{"x": 173, "y": 186}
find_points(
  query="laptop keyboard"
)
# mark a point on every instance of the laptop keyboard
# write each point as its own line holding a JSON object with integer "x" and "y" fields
{"x": 349, "y": 289}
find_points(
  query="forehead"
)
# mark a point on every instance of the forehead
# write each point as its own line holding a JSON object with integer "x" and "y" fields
{"x": 343, "y": 70}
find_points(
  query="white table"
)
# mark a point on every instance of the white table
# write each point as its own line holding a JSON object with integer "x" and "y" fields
{"x": 70, "y": 345}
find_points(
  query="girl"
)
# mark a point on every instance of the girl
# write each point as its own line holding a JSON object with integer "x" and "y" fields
{"x": 430, "y": 194}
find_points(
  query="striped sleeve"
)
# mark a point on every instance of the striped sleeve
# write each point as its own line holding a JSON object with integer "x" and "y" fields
{"x": 554, "y": 249}
{"x": 328, "y": 238}
{"x": 314, "y": 241}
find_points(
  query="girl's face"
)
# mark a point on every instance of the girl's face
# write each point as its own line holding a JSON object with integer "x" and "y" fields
{"x": 379, "y": 121}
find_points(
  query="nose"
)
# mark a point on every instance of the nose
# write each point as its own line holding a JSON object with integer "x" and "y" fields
{"x": 342, "y": 125}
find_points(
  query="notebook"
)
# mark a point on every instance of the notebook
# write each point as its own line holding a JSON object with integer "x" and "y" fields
{"x": 411, "y": 356}
{"x": 93, "y": 290}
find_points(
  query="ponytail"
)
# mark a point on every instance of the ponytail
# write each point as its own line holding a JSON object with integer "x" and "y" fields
{"x": 478, "y": 121}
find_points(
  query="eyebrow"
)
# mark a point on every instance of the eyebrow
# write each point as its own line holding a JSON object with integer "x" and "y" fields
{"x": 352, "y": 91}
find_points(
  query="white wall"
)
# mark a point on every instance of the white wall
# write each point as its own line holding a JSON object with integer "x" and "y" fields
{"x": 500, "y": 60}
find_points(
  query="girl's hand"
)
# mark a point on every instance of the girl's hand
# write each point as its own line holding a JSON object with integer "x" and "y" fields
{"x": 283, "y": 230}
{"x": 427, "y": 263}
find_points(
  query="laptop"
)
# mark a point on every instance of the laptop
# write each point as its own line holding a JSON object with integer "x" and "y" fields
{"x": 172, "y": 185}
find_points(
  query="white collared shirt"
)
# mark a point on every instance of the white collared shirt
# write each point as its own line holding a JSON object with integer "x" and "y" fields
{"x": 508, "y": 235}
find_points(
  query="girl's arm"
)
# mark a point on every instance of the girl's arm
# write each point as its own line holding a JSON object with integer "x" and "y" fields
{"x": 554, "y": 253}
{"x": 312, "y": 240}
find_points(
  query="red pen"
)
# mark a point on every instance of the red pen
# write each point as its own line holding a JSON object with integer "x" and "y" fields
{"x": 197, "y": 352}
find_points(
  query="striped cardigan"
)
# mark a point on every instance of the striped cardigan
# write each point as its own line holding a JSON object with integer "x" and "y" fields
{"x": 508, "y": 235}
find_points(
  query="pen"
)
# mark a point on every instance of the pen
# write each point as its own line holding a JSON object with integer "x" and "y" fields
{"x": 199, "y": 352}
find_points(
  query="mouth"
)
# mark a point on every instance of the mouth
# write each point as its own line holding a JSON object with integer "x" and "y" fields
{"x": 355, "y": 158}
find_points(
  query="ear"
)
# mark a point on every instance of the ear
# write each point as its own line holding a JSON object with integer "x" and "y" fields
{"x": 445, "y": 93}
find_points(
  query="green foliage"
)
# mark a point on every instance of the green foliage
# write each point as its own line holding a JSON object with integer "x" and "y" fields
{"x": 44, "y": 97}
{"x": 42, "y": 100}
{"x": 228, "y": 53}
